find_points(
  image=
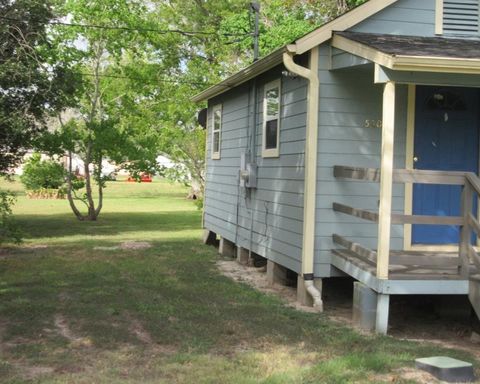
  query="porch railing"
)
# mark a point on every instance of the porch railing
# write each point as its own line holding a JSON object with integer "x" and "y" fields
{"x": 468, "y": 221}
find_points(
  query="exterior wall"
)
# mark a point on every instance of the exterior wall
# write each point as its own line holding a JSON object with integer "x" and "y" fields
{"x": 221, "y": 191}
{"x": 348, "y": 98}
{"x": 276, "y": 205}
{"x": 405, "y": 17}
{"x": 269, "y": 219}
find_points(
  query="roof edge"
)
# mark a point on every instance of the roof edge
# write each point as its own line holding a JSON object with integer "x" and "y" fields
{"x": 253, "y": 70}
{"x": 301, "y": 45}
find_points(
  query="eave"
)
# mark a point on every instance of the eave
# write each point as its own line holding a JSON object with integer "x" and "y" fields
{"x": 253, "y": 70}
{"x": 406, "y": 62}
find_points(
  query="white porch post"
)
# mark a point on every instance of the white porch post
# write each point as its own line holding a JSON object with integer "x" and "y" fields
{"x": 385, "y": 208}
{"x": 386, "y": 177}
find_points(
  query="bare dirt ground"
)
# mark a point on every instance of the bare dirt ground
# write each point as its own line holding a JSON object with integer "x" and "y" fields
{"x": 442, "y": 320}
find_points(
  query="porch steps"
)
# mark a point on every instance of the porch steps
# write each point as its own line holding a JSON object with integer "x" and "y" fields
{"x": 474, "y": 293}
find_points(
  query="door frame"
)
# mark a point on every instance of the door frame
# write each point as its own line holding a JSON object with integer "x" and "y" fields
{"x": 408, "y": 199}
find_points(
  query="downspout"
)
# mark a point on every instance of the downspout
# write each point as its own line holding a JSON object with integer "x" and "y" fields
{"x": 311, "y": 138}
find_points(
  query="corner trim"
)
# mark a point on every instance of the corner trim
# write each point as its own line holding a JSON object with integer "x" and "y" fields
{"x": 438, "y": 17}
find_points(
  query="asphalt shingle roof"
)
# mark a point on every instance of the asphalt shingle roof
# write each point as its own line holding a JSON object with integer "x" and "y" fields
{"x": 400, "y": 45}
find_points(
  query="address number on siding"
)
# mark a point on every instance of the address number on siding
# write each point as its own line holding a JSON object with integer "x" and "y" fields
{"x": 373, "y": 123}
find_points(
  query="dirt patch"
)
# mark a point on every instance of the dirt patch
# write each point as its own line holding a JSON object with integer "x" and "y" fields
{"x": 126, "y": 245}
{"x": 101, "y": 248}
{"x": 33, "y": 372}
{"x": 36, "y": 246}
{"x": 135, "y": 245}
{"x": 407, "y": 374}
{"x": 257, "y": 278}
{"x": 140, "y": 332}
{"x": 62, "y": 327}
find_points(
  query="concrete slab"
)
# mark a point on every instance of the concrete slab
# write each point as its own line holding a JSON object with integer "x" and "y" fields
{"x": 447, "y": 369}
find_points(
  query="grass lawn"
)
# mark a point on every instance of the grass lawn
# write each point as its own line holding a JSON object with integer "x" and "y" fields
{"x": 70, "y": 313}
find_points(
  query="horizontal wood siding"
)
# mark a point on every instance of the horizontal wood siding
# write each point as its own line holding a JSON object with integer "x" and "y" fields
{"x": 348, "y": 98}
{"x": 221, "y": 190}
{"x": 405, "y": 17}
{"x": 269, "y": 219}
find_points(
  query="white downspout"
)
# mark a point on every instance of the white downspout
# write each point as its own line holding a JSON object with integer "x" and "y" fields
{"x": 311, "y": 138}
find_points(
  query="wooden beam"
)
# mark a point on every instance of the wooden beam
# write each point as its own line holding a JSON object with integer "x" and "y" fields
{"x": 360, "y": 213}
{"x": 356, "y": 248}
{"x": 474, "y": 181}
{"x": 428, "y": 220}
{"x": 398, "y": 218}
{"x": 474, "y": 224}
{"x": 465, "y": 231}
{"x": 386, "y": 180}
{"x": 473, "y": 255}
{"x": 418, "y": 176}
{"x": 356, "y": 173}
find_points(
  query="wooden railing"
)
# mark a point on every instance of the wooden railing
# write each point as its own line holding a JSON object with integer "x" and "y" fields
{"x": 468, "y": 221}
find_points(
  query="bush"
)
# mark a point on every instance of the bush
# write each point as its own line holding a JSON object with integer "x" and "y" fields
{"x": 9, "y": 230}
{"x": 42, "y": 174}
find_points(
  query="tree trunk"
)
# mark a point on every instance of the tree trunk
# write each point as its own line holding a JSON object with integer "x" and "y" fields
{"x": 100, "y": 187}
{"x": 70, "y": 189}
{"x": 91, "y": 215}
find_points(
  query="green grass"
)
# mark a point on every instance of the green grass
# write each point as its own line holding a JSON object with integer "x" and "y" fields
{"x": 72, "y": 314}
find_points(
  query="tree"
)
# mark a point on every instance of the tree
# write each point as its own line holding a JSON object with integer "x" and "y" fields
{"x": 33, "y": 84}
{"x": 106, "y": 121}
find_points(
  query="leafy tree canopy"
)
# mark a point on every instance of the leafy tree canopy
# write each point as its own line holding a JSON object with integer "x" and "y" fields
{"x": 33, "y": 83}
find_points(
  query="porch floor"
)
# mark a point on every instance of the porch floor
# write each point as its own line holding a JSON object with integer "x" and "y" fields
{"x": 433, "y": 273}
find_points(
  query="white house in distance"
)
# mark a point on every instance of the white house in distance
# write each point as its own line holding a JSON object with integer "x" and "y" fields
{"x": 355, "y": 151}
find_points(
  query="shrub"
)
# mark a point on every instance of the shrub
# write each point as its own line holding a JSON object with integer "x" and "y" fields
{"x": 42, "y": 174}
{"x": 9, "y": 230}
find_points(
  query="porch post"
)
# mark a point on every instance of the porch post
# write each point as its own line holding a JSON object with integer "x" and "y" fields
{"x": 386, "y": 172}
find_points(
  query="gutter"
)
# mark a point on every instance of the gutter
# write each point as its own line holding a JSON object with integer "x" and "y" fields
{"x": 252, "y": 71}
{"x": 310, "y": 189}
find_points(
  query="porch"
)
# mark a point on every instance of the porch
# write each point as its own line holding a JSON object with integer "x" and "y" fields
{"x": 405, "y": 272}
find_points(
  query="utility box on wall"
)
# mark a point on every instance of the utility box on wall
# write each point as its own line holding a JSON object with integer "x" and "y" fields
{"x": 248, "y": 173}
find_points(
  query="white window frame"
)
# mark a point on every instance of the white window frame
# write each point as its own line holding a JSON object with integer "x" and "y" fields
{"x": 271, "y": 152}
{"x": 216, "y": 154}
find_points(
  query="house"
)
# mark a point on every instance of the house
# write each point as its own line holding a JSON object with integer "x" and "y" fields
{"x": 355, "y": 150}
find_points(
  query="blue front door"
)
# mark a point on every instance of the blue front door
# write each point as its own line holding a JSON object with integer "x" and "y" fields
{"x": 446, "y": 139}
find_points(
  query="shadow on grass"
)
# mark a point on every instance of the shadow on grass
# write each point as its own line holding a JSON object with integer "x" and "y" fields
{"x": 64, "y": 225}
{"x": 174, "y": 290}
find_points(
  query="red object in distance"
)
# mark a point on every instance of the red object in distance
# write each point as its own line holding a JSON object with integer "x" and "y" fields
{"x": 144, "y": 178}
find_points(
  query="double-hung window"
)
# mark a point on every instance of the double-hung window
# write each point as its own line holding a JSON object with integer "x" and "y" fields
{"x": 216, "y": 130}
{"x": 271, "y": 119}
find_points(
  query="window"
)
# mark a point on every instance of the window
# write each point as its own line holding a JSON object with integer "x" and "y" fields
{"x": 216, "y": 130}
{"x": 271, "y": 119}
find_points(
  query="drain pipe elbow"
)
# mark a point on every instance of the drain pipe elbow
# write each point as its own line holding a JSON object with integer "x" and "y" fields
{"x": 315, "y": 294}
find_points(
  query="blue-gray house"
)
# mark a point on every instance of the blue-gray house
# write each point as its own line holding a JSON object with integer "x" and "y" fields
{"x": 355, "y": 150}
